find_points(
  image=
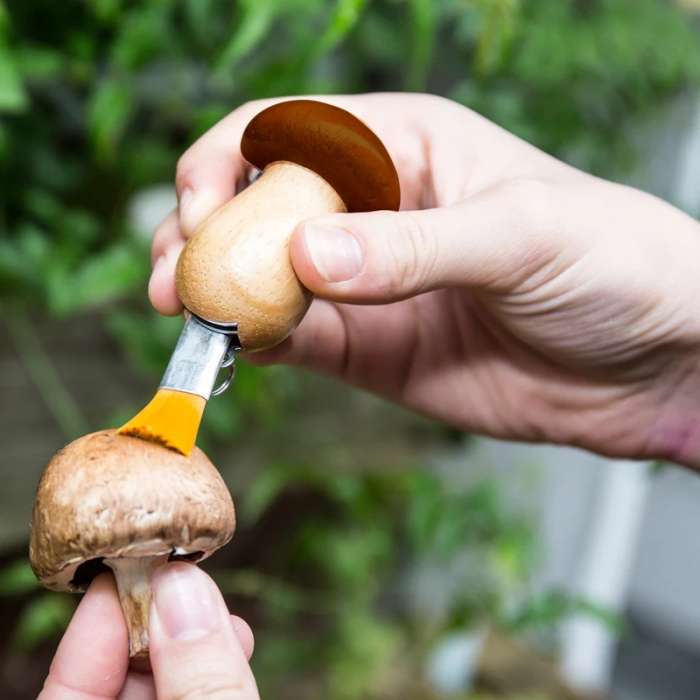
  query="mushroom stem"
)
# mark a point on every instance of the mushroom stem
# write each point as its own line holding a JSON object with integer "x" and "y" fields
{"x": 133, "y": 575}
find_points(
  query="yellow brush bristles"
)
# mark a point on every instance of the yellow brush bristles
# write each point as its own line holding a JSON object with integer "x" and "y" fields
{"x": 171, "y": 419}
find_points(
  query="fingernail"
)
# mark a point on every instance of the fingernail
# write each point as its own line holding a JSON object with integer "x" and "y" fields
{"x": 334, "y": 252}
{"x": 185, "y": 602}
{"x": 167, "y": 261}
{"x": 195, "y": 206}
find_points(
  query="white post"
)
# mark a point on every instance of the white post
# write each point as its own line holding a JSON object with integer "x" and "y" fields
{"x": 588, "y": 646}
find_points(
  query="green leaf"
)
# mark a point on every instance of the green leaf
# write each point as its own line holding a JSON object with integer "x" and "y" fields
{"x": 498, "y": 23}
{"x": 554, "y": 606}
{"x": 109, "y": 112}
{"x": 43, "y": 619}
{"x": 13, "y": 96}
{"x": 268, "y": 485}
{"x": 106, "y": 11}
{"x": 274, "y": 592}
{"x": 38, "y": 63}
{"x": 344, "y": 17}
{"x": 42, "y": 204}
{"x": 143, "y": 34}
{"x": 4, "y": 142}
{"x": 103, "y": 278}
{"x": 23, "y": 259}
{"x": 4, "y": 20}
{"x": 198, "y": 15}
{"x": 364, "y": 649}
{"x": 659, "y": 467}
{"x": 147, "y": 339}
{"x": 423, "y": 25}
{"x": 256, "y": 18}
{"x": 17, "y": 578}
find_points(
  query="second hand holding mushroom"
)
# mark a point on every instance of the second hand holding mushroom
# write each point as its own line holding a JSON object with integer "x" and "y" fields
{"x": 112, "y": 501}
{"x": 234, "y": 275}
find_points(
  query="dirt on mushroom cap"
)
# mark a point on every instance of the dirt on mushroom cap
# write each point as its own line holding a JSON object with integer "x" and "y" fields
{"x": 110, "y": 495}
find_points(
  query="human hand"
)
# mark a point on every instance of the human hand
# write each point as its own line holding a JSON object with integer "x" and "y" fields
{"x": 513, "y": 295}
{"x": 198, "y": 650}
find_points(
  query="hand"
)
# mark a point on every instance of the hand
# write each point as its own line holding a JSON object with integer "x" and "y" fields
{"x": 513, "y": 295}
{"x": 198, "y": 650}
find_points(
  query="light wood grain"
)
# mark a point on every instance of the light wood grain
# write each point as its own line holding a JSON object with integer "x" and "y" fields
{"x": 236, "y": 267}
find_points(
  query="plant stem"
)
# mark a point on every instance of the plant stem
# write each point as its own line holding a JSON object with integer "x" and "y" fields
{"x": 43, "y": 374}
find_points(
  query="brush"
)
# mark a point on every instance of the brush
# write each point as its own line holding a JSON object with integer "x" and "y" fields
{"x": 173, "y": 415}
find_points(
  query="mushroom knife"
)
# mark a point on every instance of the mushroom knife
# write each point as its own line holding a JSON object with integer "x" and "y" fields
{"x": 235, "y": 270}
{"x": 173, "y": 415}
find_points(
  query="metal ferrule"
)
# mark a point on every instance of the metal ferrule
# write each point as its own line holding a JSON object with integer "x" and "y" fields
{"x": 201, "y": 351}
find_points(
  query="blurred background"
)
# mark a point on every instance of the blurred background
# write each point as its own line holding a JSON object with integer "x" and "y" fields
{"x": 378, "y": 555}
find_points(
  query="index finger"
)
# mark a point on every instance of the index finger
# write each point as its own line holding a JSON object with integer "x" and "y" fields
{"x": 210, "y": 169}
{"x": 92, "y": 659}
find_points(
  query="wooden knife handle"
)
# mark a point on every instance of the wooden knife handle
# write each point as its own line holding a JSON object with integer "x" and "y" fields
{"x": 236, "y": 267}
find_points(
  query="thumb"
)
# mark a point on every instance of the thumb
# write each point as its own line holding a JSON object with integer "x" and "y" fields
{"x": 492, "y": 240}
{"x": 194, "y": 649}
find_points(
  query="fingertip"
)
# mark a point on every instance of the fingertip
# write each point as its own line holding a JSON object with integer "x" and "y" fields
{"x": 244, "y": 634}
{"x": 212, "y": 166}
{"x": 328, "y": 254}
{"x": 207, "y": 175}
{"x": 302, "y": 259}
{"x": 101, "y": 585}
{"x": 375, "y": 257}
{"x": 161, "y": 286}
{"x": 167, "y": 234}
{"x": 198, "y": 202}
{"x": 93, "y": 655}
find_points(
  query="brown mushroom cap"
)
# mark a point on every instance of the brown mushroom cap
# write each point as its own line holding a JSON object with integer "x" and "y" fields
{"x": 107, "y": 495}
{"x": 331, "y": 142}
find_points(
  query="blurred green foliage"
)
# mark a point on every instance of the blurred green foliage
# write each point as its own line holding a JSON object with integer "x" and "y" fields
{"x": 351, "y": 572}
{"x": 98, "y": 99}
{"x": 44, "y": 616}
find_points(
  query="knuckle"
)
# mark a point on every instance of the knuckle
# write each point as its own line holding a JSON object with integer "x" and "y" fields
{"x": 189, "y": 161}
{"x": 411, "y": 255}
{"x": 532, "y": 215}
{"x": 438, "y": 101}
{"x": 183, "y": 170}
{"x": 247, "y": 110}
{"x": 446, "y": 108}
{"x": 532, "y": 201}
{"x": 252, "y": 107}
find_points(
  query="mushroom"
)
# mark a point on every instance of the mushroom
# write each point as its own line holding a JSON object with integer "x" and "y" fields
{"x": 109, "y": 501}
{"x": 316, "y": 159}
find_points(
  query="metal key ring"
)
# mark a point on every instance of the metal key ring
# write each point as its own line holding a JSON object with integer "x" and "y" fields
{"x": 230, "y": 374}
